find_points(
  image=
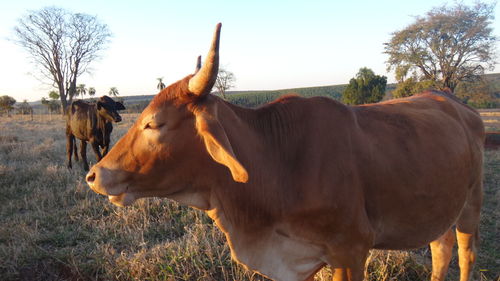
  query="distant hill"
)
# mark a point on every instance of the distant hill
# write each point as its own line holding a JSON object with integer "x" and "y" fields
{"x": 257, "y": 98}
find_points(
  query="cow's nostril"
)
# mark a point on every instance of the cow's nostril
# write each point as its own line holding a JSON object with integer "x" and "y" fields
{"x": 90, "y": 177}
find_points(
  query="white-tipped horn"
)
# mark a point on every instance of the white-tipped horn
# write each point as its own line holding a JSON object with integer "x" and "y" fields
{"x": 198, "y": 65}
{"x": 203, "y": 81}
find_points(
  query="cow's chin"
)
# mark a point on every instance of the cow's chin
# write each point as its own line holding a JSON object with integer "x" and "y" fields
{"x": 122, "y": 200}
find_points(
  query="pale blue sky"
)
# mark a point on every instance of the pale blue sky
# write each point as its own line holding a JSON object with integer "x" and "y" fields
{"x": 266, "y": 44}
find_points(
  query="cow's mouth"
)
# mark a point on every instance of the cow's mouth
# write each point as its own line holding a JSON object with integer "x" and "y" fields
{"x": 122, "y": 200}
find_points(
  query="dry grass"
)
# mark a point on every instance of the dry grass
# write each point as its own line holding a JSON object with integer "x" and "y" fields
{"x": 491, "y": 119}
{"x": 52, "y": 227}
{"x": 485, "y": 112}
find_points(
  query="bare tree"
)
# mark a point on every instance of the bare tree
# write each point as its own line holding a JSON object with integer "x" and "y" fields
{"x": 61, "y": 45}
{"x": 225, "y": 81}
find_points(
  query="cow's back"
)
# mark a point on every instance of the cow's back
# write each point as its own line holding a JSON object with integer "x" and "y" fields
{"x": 81, "y": 120}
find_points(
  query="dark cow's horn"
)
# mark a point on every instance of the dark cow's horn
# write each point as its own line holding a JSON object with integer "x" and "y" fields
{"x": 203, "y": 81}
{"x": 198, "y": 65}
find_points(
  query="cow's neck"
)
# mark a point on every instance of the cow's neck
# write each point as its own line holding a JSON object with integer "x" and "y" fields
{"x": 101, "y": 124}
{"x": 256, "y": 202}
{"x": 253, "y": 215}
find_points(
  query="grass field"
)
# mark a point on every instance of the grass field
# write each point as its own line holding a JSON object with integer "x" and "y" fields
{"x": 491, "y": 119}
{"x": 52, "y": 227}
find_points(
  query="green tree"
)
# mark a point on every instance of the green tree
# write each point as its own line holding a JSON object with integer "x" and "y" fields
{"x": 366, "y": 87}
{"x": 53, "y": 95}
{"x": 7, "y": 104}
{"x": 160, "y": 86}
{"x": 411, "y": 86}
{"x": 478, "y": 94}
{"x": 53, "y": 104}
{"x": 447, "y": 45}
{"x": 61, "y": 45}
{"x": 113, "y": 91}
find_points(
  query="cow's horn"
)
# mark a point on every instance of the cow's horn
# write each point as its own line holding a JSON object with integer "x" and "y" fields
{"x": 198, "y": 65}
{"x": 203, "y": 81}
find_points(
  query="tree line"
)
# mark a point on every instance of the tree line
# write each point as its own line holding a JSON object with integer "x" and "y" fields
{"x": 448, "y": 48}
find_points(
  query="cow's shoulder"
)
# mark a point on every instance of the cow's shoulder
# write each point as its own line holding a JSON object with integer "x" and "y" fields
{"x": 292, "y": 108}
{"x": 79, "y": 105}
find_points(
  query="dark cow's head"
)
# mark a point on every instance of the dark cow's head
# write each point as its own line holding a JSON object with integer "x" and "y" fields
{"x": 107, "y": 108}
{"x": 176, "y": 136}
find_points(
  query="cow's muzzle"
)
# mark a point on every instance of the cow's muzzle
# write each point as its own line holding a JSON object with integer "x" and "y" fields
{"x": 104, "y": 181}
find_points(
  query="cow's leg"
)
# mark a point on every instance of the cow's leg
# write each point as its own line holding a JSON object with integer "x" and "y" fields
{"x": 311, "y": 278}
{"x": 95, "y": 147}
{"x": 348, "y": 274}
{"x": 441, "y": 250}
{"x": 468, "y": 232}
{"x": 349, "y": 264}
{"x": 467, "y": 246}
{"x": 69, "y": 148}
{"x": 83, "y": 153}
{"x": 348, "y": 253}
{"x": 75, "y": 149}
{"x": 105, "y": 150}
{"x": 106, "y": 145}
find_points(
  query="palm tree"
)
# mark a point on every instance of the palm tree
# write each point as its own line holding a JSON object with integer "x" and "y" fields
{"x": 113, "y": 91}
{"x": 160, "y": 85}
{"x": 92, "y": 92}
{"x": 81, "y": 90}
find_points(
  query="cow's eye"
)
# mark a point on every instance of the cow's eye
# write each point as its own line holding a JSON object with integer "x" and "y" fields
{"x": 152, "y": 125}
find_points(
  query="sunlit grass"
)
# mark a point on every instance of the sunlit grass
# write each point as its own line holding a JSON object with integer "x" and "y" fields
{"x": 52, "y": 227}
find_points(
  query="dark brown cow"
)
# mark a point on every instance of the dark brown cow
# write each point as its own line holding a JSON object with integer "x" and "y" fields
{"x": 93, "y": 123}
{"x": 305, "y": 182}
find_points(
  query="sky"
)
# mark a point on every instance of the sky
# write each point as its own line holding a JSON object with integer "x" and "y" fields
{"x": 266, "y": 44}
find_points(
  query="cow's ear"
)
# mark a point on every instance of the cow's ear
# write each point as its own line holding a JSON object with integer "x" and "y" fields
{"x": 219, "y": 146}
{"x": 119, "y": 106}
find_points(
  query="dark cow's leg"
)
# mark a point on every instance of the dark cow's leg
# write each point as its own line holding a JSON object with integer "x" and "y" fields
{"x": 75, "y": 149}
{"x": 105, "y": 150}
{"x": 83, "y": 153}
{"x": 106, "y": 146}
{"x": 95, "y": 147}
{"x": 69, "y": 148}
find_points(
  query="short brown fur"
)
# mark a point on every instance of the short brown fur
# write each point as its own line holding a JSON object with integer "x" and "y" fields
{"x": 305, "y": 182}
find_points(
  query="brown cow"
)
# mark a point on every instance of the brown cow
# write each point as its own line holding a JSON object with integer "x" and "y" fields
{"x": 93, "y": 123}
{"x": 305, "y": 182}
